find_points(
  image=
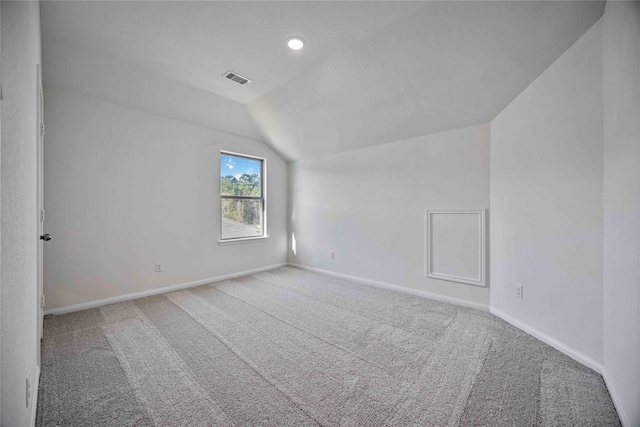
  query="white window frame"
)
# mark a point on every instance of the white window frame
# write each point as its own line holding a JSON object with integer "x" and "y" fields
{"x": 263, "y": 185}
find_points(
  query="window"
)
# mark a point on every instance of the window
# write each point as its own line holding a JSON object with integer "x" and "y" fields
{"x": 242, "y": 196}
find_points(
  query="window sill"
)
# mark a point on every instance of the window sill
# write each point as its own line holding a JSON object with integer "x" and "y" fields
{"x": 242, "y": 240}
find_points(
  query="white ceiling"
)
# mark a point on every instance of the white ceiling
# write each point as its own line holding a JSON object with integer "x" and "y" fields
{"x": 372, "y": 71}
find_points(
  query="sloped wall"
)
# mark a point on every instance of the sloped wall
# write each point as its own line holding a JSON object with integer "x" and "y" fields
{"x": 546, "y": 202}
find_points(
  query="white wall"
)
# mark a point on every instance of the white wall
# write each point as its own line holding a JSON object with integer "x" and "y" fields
{"x": 0, "y": 216}
{"x": 20, "y": 55}
{"x": 546, "y": 201}
{"x": 368, "y": 205}
{"x": 622, "y": 206}
{"x": 124, "y": 189}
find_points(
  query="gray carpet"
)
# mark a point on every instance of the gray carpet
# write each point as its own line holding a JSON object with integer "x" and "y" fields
{"x": 295, "y": 348}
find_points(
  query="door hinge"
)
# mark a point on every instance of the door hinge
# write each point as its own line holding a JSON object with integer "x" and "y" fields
{"x": 42, "y": 215}
{"x": 42, "y": 300}
{"x": 41, "y": 129}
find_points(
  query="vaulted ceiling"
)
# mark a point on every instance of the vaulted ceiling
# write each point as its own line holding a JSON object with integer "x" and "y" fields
{"x": 371, "y": 72}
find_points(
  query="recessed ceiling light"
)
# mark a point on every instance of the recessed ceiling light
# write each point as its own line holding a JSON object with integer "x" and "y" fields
{"x": 295, "y": 43}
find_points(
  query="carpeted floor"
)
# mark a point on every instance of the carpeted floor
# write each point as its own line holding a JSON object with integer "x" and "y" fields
{"x": 294, "y": 348}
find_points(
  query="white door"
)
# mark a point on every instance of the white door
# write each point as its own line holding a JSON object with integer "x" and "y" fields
{"x": 40, "y": 212}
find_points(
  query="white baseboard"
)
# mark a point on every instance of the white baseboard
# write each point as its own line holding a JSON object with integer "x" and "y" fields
{"x": 616, "y": 398}
{"x": 136, "y": 295}
{"x": 34, "y": 396}
{"x": 563, "y": 348}
{"x": 402, "y": 289}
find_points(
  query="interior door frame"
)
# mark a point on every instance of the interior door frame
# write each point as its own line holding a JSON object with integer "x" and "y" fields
{"x": 40, "y": 204}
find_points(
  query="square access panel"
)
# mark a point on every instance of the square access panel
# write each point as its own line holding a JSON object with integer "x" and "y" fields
{"x": 456, "y": 245}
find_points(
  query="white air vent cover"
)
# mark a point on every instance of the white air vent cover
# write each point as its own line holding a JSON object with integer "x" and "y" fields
{"x": 236, "y": 77}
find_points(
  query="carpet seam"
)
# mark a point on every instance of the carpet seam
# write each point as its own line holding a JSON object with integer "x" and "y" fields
{"x": 313, "y": 335}
{"x": 245, "y": 360}
{"x": 333, "y": 305}
{"x": 127, "y": 377}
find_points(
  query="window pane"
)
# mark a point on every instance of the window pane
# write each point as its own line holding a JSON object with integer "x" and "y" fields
{"x": 240, "y": 176}
{"x": 241, "y": 218}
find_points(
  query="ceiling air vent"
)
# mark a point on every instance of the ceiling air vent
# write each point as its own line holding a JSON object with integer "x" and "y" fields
{"x": 236, "y": 77}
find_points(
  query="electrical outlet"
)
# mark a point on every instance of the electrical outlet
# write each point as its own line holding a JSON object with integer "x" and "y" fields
{"x": 28, "y": 387}
{"x": 519, "y": 292}
{"x": 158, "y": 267}
{"x": 332, "y": 255}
